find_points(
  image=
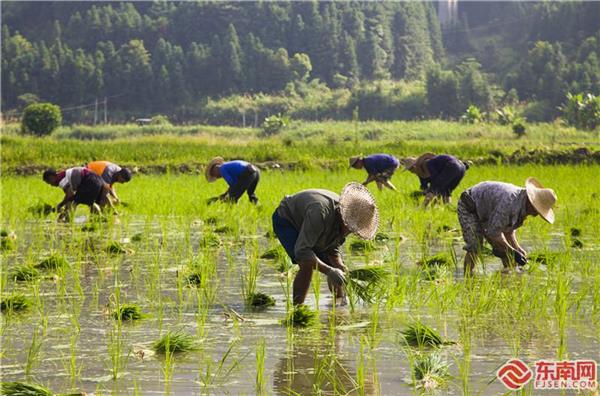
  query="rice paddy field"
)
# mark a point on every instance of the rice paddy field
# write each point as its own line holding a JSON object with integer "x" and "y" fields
{"x": 176, "y": 296}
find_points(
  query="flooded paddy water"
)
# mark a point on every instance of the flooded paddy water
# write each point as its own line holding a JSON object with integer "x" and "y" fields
{"x": 69, "y": 340}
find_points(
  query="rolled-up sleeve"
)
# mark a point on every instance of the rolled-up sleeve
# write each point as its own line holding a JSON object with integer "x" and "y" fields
{"x": 310, "y": 232}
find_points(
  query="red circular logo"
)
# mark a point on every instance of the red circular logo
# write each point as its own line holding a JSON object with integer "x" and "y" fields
{"x": 514, "y": 374}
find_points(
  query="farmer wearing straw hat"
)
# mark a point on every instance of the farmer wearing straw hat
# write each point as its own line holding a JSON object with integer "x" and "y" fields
{"x": 380, "y": 168}
{"x": 313, "y": 224}
{"x": 439, "y": 174}
{"x": 111, "y": 174}
{"x": 80, "y": 186}
{"x": 494, "y": 210}
{"x": 241, "y": 176}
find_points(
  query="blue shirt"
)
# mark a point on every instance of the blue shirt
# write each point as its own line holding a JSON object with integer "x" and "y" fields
{"x": 232, "y": 170}
{"x": 378, "y": 163}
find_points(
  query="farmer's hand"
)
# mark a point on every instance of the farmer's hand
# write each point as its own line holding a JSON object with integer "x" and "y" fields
{"x": 520, "y": 259}
{"x": 336, "y": 276}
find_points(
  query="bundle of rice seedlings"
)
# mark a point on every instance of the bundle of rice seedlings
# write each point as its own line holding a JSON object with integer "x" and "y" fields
{"x": 211, "y": 220}
{"x": 90, "y": 227}
{"x": 194, "y": 277}
{"x": 575, "y": 232}
{"x": 115, "y": 247}
{"x": 53, "y": 262}
{"x": 260, "y": 300}
{"x": 224, "y": 230}
{"x": 273, "y": 253}
{"x": 24, "y": 389}
{"x": 175, "y": 341}
{"x": 576, "y": 243}
{"x": 210, "y": 240}
{"x": 420, "y": 335}
{"x": 24, "y": 273}
{"x": 128, "y": 312}
{"x": 300, "y": 316}
{"x": 440, "y": 259}
{"x": 15, "y": 303}
{"x": 41, "y": 209}
{"x": 367, "y": 282}
{"x": 416, "y": 194}
{"x": 381, "y": 237}
{"x": 431, "y": 371}
{"x": 7, "y": 243}
{"x": 137, "y": 237}
{"x": 543, "y": 258}
{"x": 360, "y": 245}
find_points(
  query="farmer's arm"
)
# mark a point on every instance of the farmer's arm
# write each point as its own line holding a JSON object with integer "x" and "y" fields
{"x": 370, "y": 178}
{"x": 113, "y": 193}
{"x": 389, "y": 185}
{"x": 511, "y": 238}
{"x": 69, "y": 196}
{"x": 335, "y": 259}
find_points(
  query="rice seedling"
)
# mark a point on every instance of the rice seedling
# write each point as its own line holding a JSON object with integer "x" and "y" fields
{"x": 224, "y": 230}
{"x": 16, "y": 388}
{"x": 420, "y": 335}
{"x": 175, "y": 341}
{"x": 300, "y": 316}
{"x": 34, "y": 350}
{"x": 544, "y": 258}
{"x": 24, "y": 273}
{"x": 381, "y": 237}
{"x": 53, "y": 262}
{"x": 576, "y": 243}
{"x": 575, "y": 232}
{"x": 16, "y": 302}
{"x": 137, "y": 237}
{"x": 260, "y": 367}
{"x": 7, "y": 242}
{"x": 367, "y": 283}
{"x": 127, "y": 312}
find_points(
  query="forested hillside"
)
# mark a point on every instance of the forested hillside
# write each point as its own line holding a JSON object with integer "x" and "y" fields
{"x": 198, "y": 60}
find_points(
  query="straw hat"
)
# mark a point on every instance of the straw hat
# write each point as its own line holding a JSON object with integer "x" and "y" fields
{"x": 354, "y": 160}
{"x": 213, "y": 162}
{"x": 542, "y": 199}
{"x": 359, "y": 210}
{"x": 417, "y": 165}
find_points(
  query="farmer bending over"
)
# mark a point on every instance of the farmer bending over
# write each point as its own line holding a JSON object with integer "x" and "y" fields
{"x": 380, "y": 168}
{"x": 439, "y": 174}
{"x": 111, "y": 174}
{"x": 80, "y": 186}
{"x": 241, "y": 177}
{"x": 313, "y": 224}
{"x": 494, "y": 210}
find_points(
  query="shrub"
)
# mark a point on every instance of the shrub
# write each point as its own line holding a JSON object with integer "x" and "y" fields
{"x": 472, "y": 115}
{"x": 539, "y": 111}
{"x": 506, "y": 115}
{"x": 273, "y": 124}
{"x": 41, "y": 119}
{"x": 519, "y": 128}
{"x": 160, "y": 119}
{"x": 581, "y": 111}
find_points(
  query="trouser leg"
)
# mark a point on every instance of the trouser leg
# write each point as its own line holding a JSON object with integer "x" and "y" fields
{"x": 252, "y": 187}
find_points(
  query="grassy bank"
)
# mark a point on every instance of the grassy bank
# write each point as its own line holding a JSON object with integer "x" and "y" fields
{"x": 306, "y": 144}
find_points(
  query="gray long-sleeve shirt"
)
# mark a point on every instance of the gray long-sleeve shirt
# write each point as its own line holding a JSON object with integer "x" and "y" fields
{"x": 501, "y": 207}
{"x": 315, "y": 214}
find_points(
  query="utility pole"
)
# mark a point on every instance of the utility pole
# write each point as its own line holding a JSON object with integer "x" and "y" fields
{"x": 105, "y": 116}
{"x": 96, "y": 111}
